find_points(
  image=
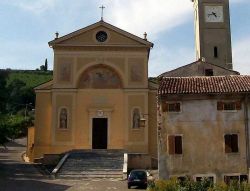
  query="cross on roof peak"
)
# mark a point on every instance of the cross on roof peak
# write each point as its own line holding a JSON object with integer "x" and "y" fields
{"x": 102, "y": 7}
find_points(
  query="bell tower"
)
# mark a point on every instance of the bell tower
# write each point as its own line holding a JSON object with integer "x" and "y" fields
{"x": 212, "y": 32}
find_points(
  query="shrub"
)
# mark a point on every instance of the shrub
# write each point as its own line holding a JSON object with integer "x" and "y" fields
{"x": 190, "y": 185}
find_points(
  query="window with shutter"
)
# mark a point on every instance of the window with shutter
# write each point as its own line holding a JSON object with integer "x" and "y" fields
{"x": 234, "y": 143}
{"x": 238, "y": 105}
{"x": 178, "y": 145}
{"x": 219, "y": 106}
{"x": 174, "y": 107}
{"x": 228, "y": 144}
{"x": 229, "y": 106}
{"x": 174, "y": 144}
{"x": 231, "y": 143}
{"x": 164, "y": 107}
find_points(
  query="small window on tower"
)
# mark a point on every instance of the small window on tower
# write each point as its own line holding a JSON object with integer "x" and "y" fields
{"x": 216, "y": 52}
{"x": 209, "y": 72}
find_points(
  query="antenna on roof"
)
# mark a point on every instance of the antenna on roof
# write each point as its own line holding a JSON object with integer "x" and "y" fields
{"x": 102, "y": 7}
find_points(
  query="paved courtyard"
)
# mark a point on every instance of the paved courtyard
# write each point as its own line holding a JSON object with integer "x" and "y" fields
{"x": 17, "y": 175}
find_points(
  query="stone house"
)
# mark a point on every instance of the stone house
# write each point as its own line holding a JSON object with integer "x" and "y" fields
{"x": 203, "y": 127}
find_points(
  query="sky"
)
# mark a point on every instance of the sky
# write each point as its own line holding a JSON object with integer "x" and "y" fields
{"x": 28, "y": 25}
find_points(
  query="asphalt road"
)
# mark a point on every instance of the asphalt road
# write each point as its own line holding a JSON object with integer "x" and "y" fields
{"x": 16, "y": 175}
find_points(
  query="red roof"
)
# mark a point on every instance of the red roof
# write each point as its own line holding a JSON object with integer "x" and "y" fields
{"x": 204, "y": 85}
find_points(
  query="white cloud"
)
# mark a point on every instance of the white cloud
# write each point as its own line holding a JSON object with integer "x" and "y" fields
{"x": 153, "y": 17}
{"x": 37, "y": 6}
{"x": 241, "y": 52}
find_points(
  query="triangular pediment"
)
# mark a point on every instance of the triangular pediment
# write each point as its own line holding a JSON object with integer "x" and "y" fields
{"x": 87, "y": 37}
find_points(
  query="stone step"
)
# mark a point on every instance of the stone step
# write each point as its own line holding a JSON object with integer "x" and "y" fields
{"x": 95, "y": 172}
{"x": 91, "y": 177}
{"x": 93, "y": 164}
{"x": 91, "y": 167}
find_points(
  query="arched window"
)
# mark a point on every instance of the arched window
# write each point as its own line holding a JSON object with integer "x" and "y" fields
{"x": 216, "y": 52}
{"x": 63, "y": 118}
{"x": 136, "y": 118}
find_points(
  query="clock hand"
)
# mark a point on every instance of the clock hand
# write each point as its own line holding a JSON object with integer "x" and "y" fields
{"x": 213, "y": 13}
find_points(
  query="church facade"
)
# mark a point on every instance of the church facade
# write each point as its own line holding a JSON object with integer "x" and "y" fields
{"x": 100, "y": 96}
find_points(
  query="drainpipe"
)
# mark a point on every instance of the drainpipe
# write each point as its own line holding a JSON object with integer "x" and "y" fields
{"x": 247, "y": 134}
{"x": 162, "y": 159}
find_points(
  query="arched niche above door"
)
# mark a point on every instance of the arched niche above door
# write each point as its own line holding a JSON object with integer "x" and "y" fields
{"x": 100, "y": 77}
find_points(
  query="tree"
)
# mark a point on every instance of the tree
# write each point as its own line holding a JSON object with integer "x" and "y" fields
{"x": 42, "y": 68}
{"x": 3, "y": 90}
{"x": 19, "y": 96}
{"x": 3, "y": 131}
{"x": 46, "y": 65}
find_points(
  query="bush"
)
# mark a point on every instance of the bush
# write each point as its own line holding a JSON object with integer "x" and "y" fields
{"x": 13, "y": 126}
{"x": 190, "y": 185}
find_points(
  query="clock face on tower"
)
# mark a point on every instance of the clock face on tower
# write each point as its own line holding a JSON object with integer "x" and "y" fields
{"x": 214, "y": 13}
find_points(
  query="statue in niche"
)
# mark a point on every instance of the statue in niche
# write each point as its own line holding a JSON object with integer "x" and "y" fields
{"x": 63, "y": 119}
{"x": 136, "y": 118}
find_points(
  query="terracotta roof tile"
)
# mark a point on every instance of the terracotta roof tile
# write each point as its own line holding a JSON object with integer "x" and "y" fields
{"x": 204, "y": 84}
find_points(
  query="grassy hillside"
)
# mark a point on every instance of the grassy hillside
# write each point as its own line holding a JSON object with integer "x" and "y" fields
{"x": 32, "y": 78}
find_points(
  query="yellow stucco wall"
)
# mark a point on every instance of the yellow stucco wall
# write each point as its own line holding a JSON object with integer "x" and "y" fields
{"x": 79, "y": 133}
{"x": 43, "y": 122}
{"x": 30, "y": 143}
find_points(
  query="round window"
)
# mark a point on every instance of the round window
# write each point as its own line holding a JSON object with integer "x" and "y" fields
{"x": 101, "y": 36}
